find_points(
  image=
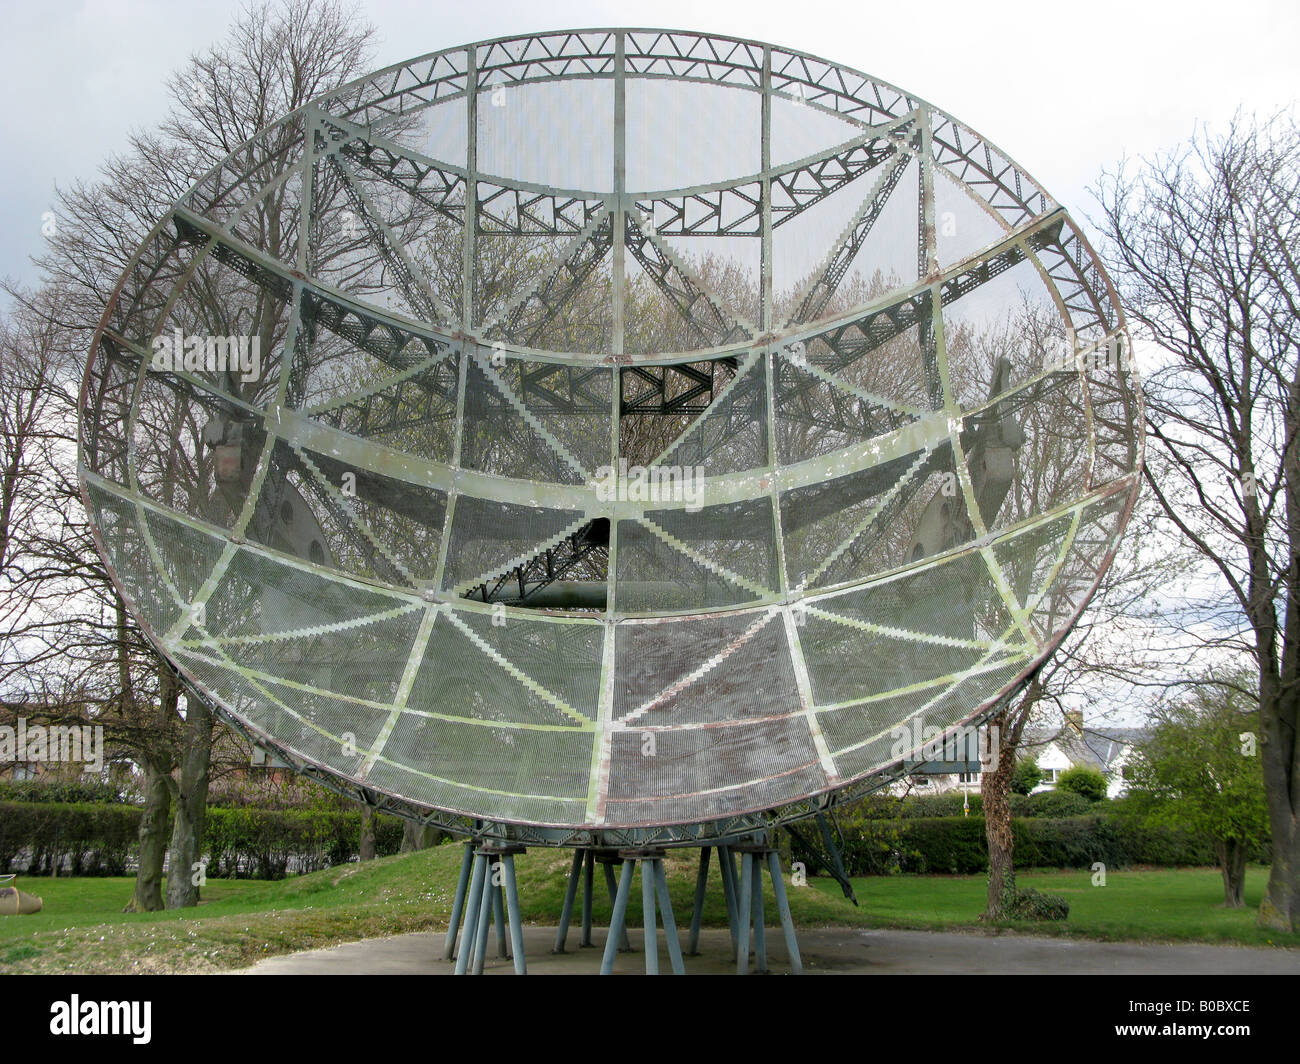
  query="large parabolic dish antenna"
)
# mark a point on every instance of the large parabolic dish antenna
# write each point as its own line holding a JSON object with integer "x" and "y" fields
{"x": 618, "y": 433}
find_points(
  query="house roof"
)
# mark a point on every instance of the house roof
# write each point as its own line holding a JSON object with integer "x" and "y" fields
{"x": 1097, "y": 748}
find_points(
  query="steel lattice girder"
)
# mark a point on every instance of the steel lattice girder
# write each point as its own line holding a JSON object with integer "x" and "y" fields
{"x": 389, "y": 557}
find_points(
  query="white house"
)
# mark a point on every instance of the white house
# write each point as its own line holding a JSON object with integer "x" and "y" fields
{"x": 1104, "y": 748}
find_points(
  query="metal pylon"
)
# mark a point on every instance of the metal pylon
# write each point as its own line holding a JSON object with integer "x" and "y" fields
{"x": 654, "y": 898}
{"x": 727, "y": 869}
{"x": 583, "y": 868}
{"x": 753, "y": 858}
{"x": 487, "y": 893}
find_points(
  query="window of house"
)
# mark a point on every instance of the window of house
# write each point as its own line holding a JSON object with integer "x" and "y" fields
{"x": 1049, "y": 775}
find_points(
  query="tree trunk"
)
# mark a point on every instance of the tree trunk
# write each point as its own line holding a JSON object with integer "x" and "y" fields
{"x": 367, "y": 847}
{"x": 1279, "y": 710}
{"x": 418, "y": 836}
{"x": 148, "y": 896}
{"x": 1232, "y": 865}
{"x": 1280, "y": 909}
{"x": 191, "y": 808}
{"x": 995, "y": 790}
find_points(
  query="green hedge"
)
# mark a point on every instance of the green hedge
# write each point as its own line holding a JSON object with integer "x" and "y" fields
{"x": 259, "y": 843}
{"x": 957, "y": 845}
{"x": 85, "y": 838}
{"x": 98, "y": 839}
{"x": 1045, "y": 803}
{"x": 1055, "y": 805}
{"x": 39, "y": 790}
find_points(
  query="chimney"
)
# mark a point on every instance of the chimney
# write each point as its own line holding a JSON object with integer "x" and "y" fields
{"x": 1074, "y": 720}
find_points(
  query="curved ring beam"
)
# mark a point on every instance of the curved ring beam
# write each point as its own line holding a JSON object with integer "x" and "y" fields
{"x": 475, "y": 443}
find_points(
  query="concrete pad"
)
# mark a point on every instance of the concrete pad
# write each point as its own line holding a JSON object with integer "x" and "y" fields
{"x": 825, "y": 951}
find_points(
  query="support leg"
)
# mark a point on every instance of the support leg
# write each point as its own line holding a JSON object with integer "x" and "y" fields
{"x": 458, "y": 905}
{"x": 743, "y": 899}
{"x": 570, "y": 893}
{"x": 670, "y": 924}
{"x": 618, "y": 919}
{"x": 648, "y": 916}
{"x": 484, "y": 919}
{"x": 512, "y": 907}
{"x": 729, "y": 893}
{"x": 499, "y": 908}
{"x": 756, "y": 911}
{"x": 473, "y": 900}
{"x": 783, "y": 908}
{"x": 697, "y": 913}
{"x": 625, "y": 946}
{"x": 588, "y": 870}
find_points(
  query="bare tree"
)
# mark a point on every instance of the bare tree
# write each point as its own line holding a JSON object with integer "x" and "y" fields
{"x": 1106, "y": 645}
{"x": 29, "y": 355}
{"x": 275, "y": 59}
{"x": 1205, "y": 244}
{"x": 66, "y": 647}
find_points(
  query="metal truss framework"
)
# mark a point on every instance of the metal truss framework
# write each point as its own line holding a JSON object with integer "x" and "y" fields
{"x": 392, "y": 558}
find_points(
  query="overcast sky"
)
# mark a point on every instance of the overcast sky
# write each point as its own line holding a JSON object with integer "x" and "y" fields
{"x": 1064, "y": 88}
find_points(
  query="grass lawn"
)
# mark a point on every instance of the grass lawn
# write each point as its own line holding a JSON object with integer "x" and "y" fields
{"x": 82, "y": 927}
{"x": 1157, "y": 905}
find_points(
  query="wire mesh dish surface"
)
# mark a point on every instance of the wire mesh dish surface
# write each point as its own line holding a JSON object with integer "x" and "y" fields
{"x": 621, "y": 431}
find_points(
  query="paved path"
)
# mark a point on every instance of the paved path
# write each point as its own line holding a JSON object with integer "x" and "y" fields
{"x": 825, "y": 951}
